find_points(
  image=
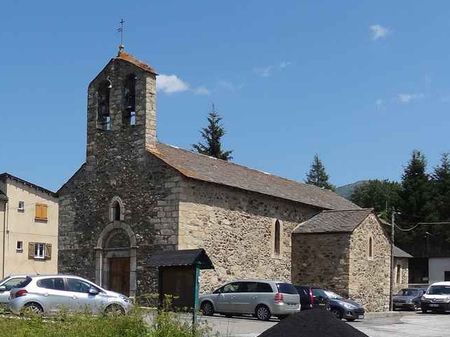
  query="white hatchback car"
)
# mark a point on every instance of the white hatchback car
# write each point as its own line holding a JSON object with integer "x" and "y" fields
{"x": 436, "y": 298}
{"x": 50, "y": 294}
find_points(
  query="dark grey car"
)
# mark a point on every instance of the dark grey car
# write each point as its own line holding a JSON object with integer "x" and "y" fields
{"x": 344, "y": 307}
{"x": 408, "y": 298}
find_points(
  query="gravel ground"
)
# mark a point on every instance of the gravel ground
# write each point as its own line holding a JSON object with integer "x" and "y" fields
{"x": 404, "y": 324}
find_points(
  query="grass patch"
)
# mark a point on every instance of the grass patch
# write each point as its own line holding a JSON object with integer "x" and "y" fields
{"x": 163, "y": 324}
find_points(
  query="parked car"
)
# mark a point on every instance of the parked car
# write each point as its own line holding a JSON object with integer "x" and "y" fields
{"x": 50, "y": 294}
{"x": 436, "y": 298}
{"x": 312, "y": 297}
{"x": 408, "y": 298}
{"x": 344, "y": 308}
{"x": 5, "y": 287}
{"x": 260, "y": 298}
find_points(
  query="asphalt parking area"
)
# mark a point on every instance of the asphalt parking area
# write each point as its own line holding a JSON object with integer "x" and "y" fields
{"x": 404, "y": 324}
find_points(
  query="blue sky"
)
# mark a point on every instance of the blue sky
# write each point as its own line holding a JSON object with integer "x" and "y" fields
{"x": 361, "y": 83}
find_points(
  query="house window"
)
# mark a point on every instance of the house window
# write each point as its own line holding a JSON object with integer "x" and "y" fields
{"x": 446, "y": 275}
{"x": 19, "y": 247}
{"x": 398, "y": 277}
{"x": 103, "y": 113}
{"x": 21, "y": 206}
{"x": 39, "y": 251}
{"x": 129, "y": 100}
{"x": 277, "y": 238}
{"x": 41, "y": 212}
{"x": 370, "y": 248}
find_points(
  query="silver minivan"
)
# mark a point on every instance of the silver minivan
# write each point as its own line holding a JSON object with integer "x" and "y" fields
{"x": 261, "y": 298}
{"x": 53, "y": 293}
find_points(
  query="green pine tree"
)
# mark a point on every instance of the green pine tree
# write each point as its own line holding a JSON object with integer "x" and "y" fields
{"x": 381, "y": 195}
{"x": 415, "y": 205}
{"x": 441, "y": 189}
{"x": 318, "y": 176}
{"x": 212, "y": 135}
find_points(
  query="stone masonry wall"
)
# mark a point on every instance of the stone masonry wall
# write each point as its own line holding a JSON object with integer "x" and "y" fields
{"x": 236, "y": 228}
{"x": 322, "y": 259}
{"x": 403, "y": 264}
{"x": 370, "y": 276}
{"x": 118, "y": 165}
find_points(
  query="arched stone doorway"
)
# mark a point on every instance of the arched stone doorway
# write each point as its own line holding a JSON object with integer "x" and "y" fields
{"x": 115, "y": 262}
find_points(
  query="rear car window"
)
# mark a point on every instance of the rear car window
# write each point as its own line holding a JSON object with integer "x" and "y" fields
{"x": 319, "y": 293}
{"x": 24, "y": 283}
{"x": 56, "y": 283}
{"x": 13, "y": 283}
{"x": 286, "y": 288}
{"x": 264, "y": 287}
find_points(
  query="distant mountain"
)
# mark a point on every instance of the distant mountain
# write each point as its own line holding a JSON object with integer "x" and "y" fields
{"x": 346, "y": 191}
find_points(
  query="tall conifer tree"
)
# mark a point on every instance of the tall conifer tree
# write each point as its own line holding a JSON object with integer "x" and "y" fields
{"x": 318, "y": 176}
{"x": 212, "y": 135}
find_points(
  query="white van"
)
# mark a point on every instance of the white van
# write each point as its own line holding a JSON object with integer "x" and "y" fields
{"x": 436, "y": 298}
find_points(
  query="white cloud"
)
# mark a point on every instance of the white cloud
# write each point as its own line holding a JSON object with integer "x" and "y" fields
{"x": 170, "y": 84}
{"x": 264, "y": 72}
{"x": 407, "y": 98}
{"x": 267, "y": 71}
{"x": 379, "y": 32}
{"x": 201, "y": 91}
{"x": 230, "y": 86}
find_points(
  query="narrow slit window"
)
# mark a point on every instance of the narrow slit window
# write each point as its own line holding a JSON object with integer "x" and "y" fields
{"x": 103, "y": 113}
{"x": 116, "y": 211}
{"x": 129, "y": 100}
{"x": 399, "y": 274}
{"x": 277, "y": 238}
{"x": 370, "y": 247}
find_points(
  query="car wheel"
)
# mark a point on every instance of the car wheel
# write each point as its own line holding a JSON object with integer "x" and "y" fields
{"x": 114, "y": 310}
{"x": 336, "y": 312}
{"x": 207, "y": 308}
{"x": 262, "y": 313}
{"x": 424, "y": 311}
{"x": 32, "y": 308}
{"x": 350, "y": 319}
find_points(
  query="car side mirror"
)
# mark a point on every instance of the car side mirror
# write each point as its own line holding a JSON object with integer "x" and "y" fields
{"x": 2, "y": 288}
{"x": 93, "y": 291}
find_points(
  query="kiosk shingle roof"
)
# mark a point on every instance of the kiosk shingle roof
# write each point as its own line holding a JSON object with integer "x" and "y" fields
{"x": 209, "y": 169}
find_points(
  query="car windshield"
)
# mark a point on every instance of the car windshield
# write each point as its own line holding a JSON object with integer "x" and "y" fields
{"x": 408, "y": 292}
{"x": 439, "y": 290}
{"x": 333, "y": 295}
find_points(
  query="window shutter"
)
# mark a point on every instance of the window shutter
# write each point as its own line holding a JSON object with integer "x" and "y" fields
{"x": 44, "y": 212}
{"x": 31, "y": 250}
{"x": 48, "y": 251}
{"x": 38, "y": 211}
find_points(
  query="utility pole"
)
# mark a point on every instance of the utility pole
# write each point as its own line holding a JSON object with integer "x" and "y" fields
{"x": 391, "y": 292}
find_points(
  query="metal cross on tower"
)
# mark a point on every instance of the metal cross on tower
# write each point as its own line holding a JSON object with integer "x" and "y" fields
{"x": 120, "y": 30}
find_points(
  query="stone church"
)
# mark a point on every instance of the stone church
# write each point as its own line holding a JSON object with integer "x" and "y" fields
{"x": 134, "y": 197}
